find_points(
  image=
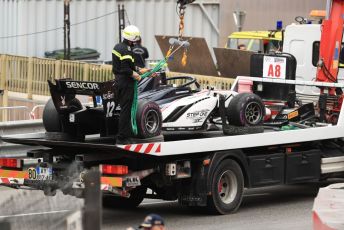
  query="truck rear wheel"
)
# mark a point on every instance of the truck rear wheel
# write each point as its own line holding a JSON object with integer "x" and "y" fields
{"x": 227, "y": 188}
{"x": 114, "y": 202}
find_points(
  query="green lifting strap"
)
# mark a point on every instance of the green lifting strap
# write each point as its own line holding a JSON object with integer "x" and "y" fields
{"x": 134, "y": 105}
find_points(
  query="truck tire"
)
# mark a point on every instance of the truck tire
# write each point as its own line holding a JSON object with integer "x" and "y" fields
{"x": 114, "y": 202}
{"x": 149, "y": 119}
{"x": 246, "y": 109}
{"x": 227, "y": 188}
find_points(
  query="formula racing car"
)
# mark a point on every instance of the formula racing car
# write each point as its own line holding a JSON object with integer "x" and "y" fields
{"x": 162, "y": 107}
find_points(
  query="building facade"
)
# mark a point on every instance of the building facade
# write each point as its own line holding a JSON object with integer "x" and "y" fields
{"x": 31, "y": 27}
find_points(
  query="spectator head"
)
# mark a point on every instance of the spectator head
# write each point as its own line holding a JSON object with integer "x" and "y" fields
{"x": 153, "y": 222}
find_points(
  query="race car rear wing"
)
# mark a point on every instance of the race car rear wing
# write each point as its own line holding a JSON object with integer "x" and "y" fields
{"x": 64, "y": 91}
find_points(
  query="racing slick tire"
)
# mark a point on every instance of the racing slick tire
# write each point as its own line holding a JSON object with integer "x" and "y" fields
{"x": 114, "y": 202}
{"x": 51, "y": 118}
{"x": 246, "y": 109}
{"x": 149, "y": 119}
{"x": 53, "y": 124}
{"x": 227, "y": 186}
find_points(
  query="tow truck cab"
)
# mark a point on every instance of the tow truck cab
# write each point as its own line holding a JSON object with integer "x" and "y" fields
{"x": 303, "y": 41}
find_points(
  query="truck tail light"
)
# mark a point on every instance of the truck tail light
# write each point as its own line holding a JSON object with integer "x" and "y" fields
{"x": 10, "y": 163}
{"x": 114, "y": 169}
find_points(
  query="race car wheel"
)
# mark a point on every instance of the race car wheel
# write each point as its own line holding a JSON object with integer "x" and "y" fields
{"x": 246, "y": 109}
{"x": 51, "y": 118}
{"x": 149, "y": 119}
{"x": 227, "y": 188}
{"x": 136, "y": 197}
{"x": 55, "y": 125}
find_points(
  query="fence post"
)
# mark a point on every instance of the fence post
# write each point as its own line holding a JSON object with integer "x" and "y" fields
{"x": 4, "y": 103}
{"x": 86, "y": 72}
{"x": 58, "y": 69}
{"x": 3, "y": 72}
{"x": 29, "y": 78}
{"x": 3, "y": 88}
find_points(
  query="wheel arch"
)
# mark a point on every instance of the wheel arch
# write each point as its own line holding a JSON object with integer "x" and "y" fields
{"x": 236, "y": 155}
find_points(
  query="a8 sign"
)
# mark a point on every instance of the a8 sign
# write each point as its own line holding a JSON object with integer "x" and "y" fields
{"x": 274, "y": 67}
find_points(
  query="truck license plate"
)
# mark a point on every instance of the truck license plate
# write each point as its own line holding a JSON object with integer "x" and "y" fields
{"x": 133, "y": 181}
{"x": 40, "y": 173}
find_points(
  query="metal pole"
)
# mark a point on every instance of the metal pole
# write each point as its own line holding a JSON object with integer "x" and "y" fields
{"x": 123, "y": 17}
{"x": 66, "y": 30}
{"x": 92, "y": 213}
{"x": 328, "y": 9}
{"x": 121, "y": 21}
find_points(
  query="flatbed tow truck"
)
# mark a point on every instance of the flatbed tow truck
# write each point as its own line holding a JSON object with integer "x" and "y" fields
{"x": 209, "y": 169}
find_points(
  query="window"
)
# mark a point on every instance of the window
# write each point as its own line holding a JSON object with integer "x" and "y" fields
{"x": 250, "y": 44}
{"x": 315, "y": 54}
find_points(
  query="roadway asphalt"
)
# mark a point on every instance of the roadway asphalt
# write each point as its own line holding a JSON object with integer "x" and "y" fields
{"x": 280, "y": 207}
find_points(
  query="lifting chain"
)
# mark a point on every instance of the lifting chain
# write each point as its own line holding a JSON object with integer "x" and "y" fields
{"x": 181, "y": 22}
{"x": 181, "y": 32}
{"x": 181, "y": 14}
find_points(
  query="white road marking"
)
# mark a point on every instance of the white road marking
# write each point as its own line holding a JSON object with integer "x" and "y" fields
{"x": 34, "y": 214}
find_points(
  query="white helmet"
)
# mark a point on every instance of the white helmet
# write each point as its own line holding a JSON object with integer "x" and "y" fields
{"x": 131, "y": 33}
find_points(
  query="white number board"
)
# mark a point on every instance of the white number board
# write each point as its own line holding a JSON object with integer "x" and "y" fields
{"x": 274, "y": 67}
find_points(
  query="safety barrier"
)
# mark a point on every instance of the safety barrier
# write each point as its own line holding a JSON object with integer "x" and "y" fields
{"x": 18, "y": 127}
{"x": 14, "y": 113}
{"x": 18, "y": 113}
{"x": 29, "y": 75}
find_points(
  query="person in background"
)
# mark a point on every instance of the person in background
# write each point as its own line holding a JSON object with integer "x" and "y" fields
{"x": 140, "y": 54}
{"x": 153, "y": 222}
{"x": 241, "y": 47}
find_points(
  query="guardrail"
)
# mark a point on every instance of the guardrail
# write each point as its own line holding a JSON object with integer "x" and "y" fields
{"x": 18, "y": 127}
{"x": 17, "y": 113}
{"x": 13, "y": 113}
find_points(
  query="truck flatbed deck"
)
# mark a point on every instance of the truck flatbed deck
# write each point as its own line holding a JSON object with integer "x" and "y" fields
{"x": 187, "y": 144}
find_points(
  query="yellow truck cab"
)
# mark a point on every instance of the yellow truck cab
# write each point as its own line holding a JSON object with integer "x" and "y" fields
{"x": 256, "y": 41}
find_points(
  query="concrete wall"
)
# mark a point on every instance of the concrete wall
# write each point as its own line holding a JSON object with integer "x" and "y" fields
{"x": 27, "y": 17}
{"x": 31, "y": 27}
{"x": 263, "y": 14}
